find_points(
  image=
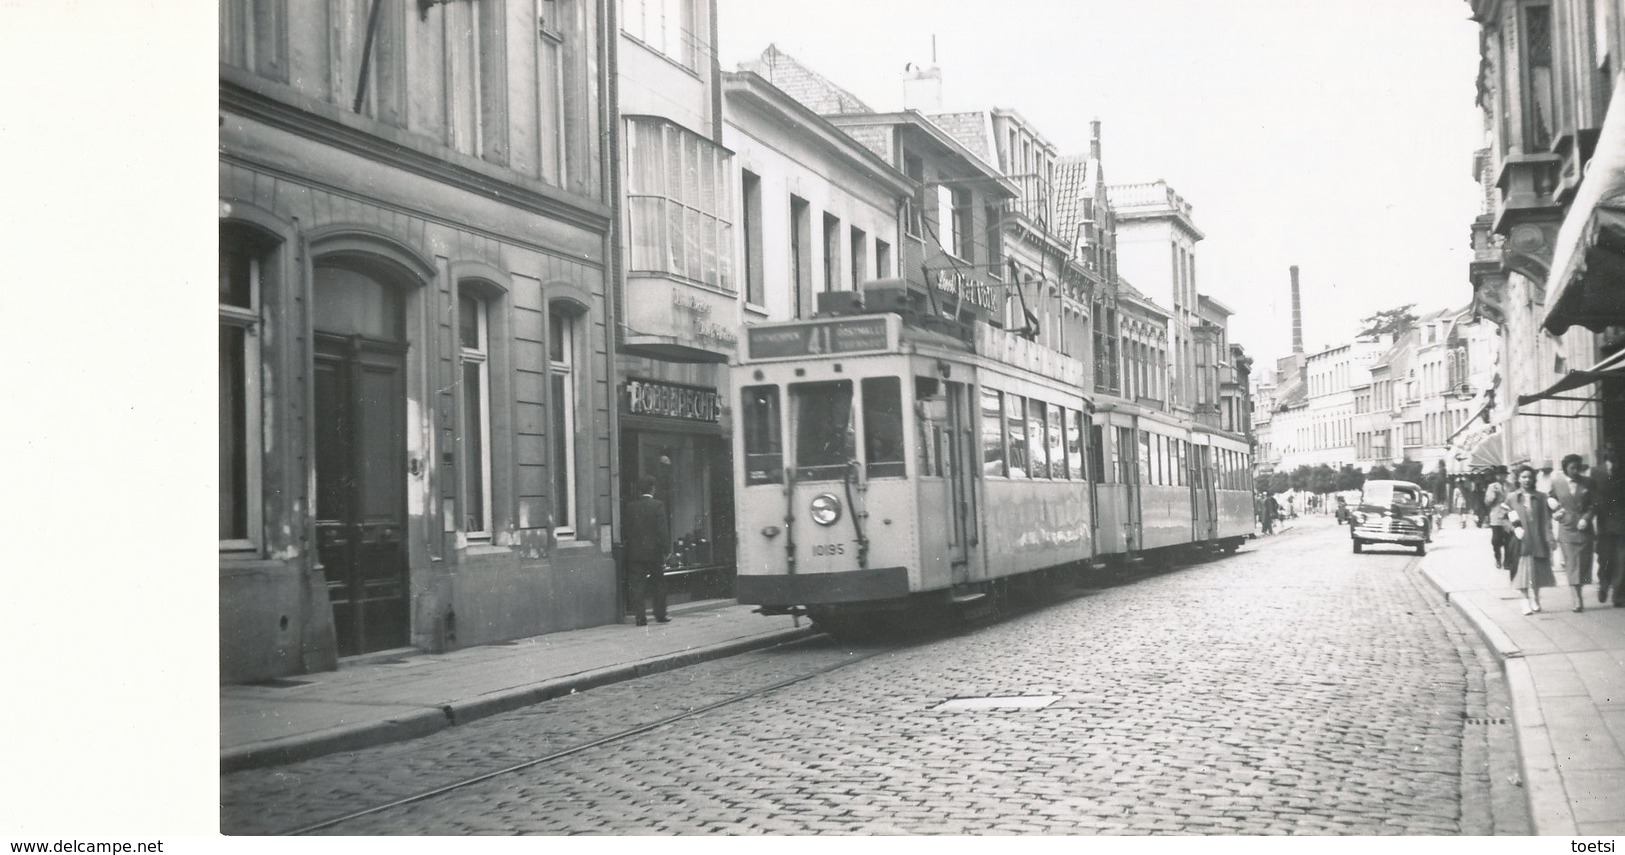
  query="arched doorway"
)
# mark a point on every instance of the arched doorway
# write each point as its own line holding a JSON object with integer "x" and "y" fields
{"x": 358, "y": 328}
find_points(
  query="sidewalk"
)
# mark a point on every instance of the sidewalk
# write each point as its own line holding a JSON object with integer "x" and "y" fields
{"x": 1566, "y": 674}
{"x": 411, "y": 694}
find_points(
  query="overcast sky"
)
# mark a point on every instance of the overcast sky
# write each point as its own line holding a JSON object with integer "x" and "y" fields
{"x": 1336, "y": 135}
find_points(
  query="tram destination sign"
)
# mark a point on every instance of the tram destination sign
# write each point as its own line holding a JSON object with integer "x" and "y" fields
{"x": 851, "y": 335}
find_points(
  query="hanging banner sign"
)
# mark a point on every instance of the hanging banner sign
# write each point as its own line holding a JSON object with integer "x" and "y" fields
{"x": 653, "y": 398}
{"x": 973, "y": 291}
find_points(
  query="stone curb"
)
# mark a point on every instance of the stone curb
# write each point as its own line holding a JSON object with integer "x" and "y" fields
{"x": 1549, "y": 808}
{"x": 291, "y": 749}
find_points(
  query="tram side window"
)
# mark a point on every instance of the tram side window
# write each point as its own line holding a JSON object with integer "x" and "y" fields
{"x": 1074, "y": 444}
{"x": 1145, "y": 458}
{"x": 931, "y": 412}
{"x": 1015, "y": 417}
{"x": 992, "y": 432}
{"x": 764, "y": 443}
{"x": 1039, "y": 442}
{"x": 1182, "y": 465}
{"x": 822, "y": 414}
{"x": 1097, "y": 455}
{"x": 1123, "y": 456}
{"x": 1056, "y": 434}
{"x": 883, "y": 427}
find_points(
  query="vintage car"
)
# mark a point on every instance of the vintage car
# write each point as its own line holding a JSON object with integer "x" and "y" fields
{"x": 1392, "y": 512}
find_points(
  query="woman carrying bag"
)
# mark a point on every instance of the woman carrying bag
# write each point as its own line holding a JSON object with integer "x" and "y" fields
{"x": 1532, "y": 528}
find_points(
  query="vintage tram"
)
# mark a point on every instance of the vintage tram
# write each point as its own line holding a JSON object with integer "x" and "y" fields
{"x": 898, "y": 461}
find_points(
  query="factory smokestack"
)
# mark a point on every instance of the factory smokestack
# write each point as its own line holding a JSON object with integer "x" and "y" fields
{"x": 1297, "y": 314}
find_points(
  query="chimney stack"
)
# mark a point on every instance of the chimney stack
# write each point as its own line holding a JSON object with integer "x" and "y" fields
{"x": 1297, "y": 314}
{"x": 922, "y": 88}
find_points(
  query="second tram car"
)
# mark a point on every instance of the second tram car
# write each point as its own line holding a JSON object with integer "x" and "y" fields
{"x": 886, "y": 462}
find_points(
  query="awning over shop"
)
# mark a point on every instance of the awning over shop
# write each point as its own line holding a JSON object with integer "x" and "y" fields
{"x": 1612, "y": 367}
{"x": 1587, "y": 282}
{"x": 1488, "y": 451}
{"x": 1471, "y": 420}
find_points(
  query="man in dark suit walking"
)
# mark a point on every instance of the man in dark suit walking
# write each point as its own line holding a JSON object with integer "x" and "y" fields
{"x": 1574, "y": 497}
{"x": 1611, "y": 529}
{"x": 648, "y": 539}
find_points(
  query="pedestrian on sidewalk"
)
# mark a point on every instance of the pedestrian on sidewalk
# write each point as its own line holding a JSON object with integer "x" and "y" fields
{"x": 1495, "y": 495}
{"x": 1611, "y": 529}
{"x": 1574, "y": 508}
{"x": 1532, "y": 531}
{"x": 1271, "y": 509}
{"x": 648, "y": 540}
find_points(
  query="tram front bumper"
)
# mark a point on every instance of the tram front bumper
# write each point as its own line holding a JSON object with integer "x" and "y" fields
{"x": 813, "y": 589}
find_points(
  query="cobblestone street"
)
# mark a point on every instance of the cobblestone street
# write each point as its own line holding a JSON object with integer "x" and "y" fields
{"x": 1293, "y": 688}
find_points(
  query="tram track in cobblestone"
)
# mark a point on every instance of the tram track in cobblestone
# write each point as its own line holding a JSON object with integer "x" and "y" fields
{"x": 1081, "y": 589}
{"x": 1012, "y": 609}
{"x": 619, "y": 736}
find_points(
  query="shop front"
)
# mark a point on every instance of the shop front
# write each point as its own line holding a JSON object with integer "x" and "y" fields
{"x": 677, "y": 434}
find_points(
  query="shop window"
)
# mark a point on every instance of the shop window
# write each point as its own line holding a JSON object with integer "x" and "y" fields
{"x": 993, "y": 462}
{"x": 822, "y": 414}
{"x": 1015, "y": 418}
{"x": 474, "y": 434}
{"x": 883, "y": 427}
{"x": 562, "y": 381}
{"x": 240, "y": 285}
{"x": 764, "y": 437}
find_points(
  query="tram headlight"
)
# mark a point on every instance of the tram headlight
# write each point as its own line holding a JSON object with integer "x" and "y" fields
{"x": 825, "y": 509}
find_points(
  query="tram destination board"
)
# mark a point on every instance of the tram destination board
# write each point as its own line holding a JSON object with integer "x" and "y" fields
{"x": 848, "y": 335}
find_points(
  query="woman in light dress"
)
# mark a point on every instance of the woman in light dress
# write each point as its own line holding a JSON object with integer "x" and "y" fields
{"x": 1532, "y": 525}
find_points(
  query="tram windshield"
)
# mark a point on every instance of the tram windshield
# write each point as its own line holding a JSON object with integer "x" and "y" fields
{"x": 764, "y": 446}
{"x": 883, "y": 427}
{"x": 822, "y": 415}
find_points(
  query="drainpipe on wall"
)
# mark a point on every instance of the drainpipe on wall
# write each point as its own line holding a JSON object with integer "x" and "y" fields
{"x": 615, "y": 290}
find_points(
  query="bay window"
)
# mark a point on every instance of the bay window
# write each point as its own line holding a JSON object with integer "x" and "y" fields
{"x": 679, "y": 197}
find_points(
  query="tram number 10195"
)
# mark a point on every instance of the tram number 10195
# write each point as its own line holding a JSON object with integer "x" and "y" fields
{"x": 829, "y": 549}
